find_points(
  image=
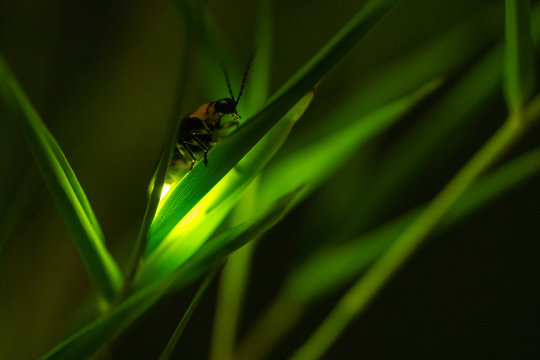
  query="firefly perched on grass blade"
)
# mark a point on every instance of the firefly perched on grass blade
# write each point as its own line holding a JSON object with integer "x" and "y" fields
{"x": 202, "y": 129}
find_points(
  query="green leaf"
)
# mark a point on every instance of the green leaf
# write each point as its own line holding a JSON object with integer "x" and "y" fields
{"x": 64, "y": 187}
{"x": 225, "y": 155}
{"x": 315, "y": 163}
{"x": 171, "y": 344}
{"x": 427, "y": 140}
{"x": 197, "y": 227}
{"x": 331, "y": 269}
{"x": 92, "y": 337}
{"x": 520, "y": 73}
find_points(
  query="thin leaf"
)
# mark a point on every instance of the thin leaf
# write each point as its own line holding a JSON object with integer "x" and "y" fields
{"x": 171, "y": 344}
{"x": 363, "y": 291}
{"x": 313, "y": 164}
{"x": 92, "y": 337}
{"x": 427, "y": 140}
{"x": 225, "y": 155}
{"x": 197, "y": 227}
{"x": 520, "y": 73}
{"x": 64, "y": 187}
{"x": 235, "y": 274}
{"x": 141, "y": 243}
{"x": 331, "y": 269}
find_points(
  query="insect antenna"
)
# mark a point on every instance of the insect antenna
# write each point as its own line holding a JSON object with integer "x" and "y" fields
{"x": 244, "y": 78}
{"x": 228, "y": 81}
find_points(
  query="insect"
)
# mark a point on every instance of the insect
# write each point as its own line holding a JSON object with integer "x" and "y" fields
{"x": 202, "y": 129}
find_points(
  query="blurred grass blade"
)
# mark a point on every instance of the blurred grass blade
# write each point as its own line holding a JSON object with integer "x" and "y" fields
{"x": 520, "y": 73}
{"x": 405, "y": 161}
{"x": 197, "y": 227}
{"x": 332, "y": 268}
{"x": 171, "y": 344}
{"x": 227, "y": 153}
{"x": 424, "y": 142}
{"x": 92, "y": 337}
{"x": 313, "y": 164}
{"x": 434, "y": 59}
{"x": 364, "y": 290}
{"x": 63, "y": 186}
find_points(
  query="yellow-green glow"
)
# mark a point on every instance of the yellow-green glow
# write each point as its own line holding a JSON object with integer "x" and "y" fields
{"x": 164, "y": 191}
{"x": 194, "y": 229}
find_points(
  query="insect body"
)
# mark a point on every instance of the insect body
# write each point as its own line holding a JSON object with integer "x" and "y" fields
{"x": 202, "y": 129}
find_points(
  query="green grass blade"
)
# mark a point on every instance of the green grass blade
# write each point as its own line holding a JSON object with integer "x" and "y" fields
{"x": 235, "y": 274}
{"x": 199, "y": 225}
{"x": 226, "y": 154}
{"x": 171, "y": 344}
{"x": 407, "y": 158}
{"x": 141, "y": 243}
{"x": 520, "y": 73}
{"x": 92, "y": 337}
{"x": 332, "y": 268}
{"x": 313, "y": 164}
{"x": 64, "y": 187}
{"x": 363, "y": 291}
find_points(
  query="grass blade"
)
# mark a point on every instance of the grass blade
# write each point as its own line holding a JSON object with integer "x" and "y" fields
{"x": 364, "y": 290}
{"x": 235, "y": 274}
{"x": 520, "y": 74}
{"x": 92, "y": 337}
{"x": 64, "y": 187}
{"x": 197, "y": 227}
{"x": 313, "y": 164}
{"x": 226, "y": 154}
{"x": 171, "y": 344}
{"x": 420, "y": 145}
{"x": 331, "y": 269}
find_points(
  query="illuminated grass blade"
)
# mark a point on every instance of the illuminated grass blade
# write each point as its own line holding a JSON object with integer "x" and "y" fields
{"x": 313, "y": 164}
{"x": 226, "y": 154}
{"x": 520, "y": 73}
{"x": 199, "y": 225}
{"x": 234, "y": 277}
{"x": 92, "y": 337}
{"x": 64, "y": 187}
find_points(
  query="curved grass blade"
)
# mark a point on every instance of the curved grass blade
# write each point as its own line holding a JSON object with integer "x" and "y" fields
{"x": 405, "y": 161}
{"x": 226, "y": 154}
{"x": 469, "y": 39}
{"x": 92, "y": 337}
{"x": 364, "y": 290}
{"x": 520, "y": 72}
{"x": 313, "y": 164}
{"x": 235, "y": 274}
{"x": 64, "y": 187}
{"x": 201, "y": 222}
{"x": 332, "y": 269}
{"x": 158, "y": 179}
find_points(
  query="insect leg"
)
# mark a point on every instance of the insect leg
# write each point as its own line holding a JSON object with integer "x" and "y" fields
{"x": 189, "y": 152}
{"x": 202, "y": 146}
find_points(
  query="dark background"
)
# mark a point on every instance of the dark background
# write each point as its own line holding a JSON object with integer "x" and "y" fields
{"x": 101, "y": 74}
